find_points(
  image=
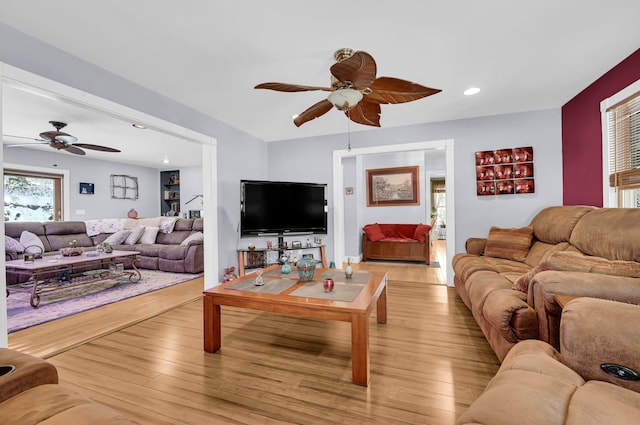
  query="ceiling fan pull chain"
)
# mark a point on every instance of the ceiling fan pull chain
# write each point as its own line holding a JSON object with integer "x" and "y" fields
{"x": 349, "y": 130}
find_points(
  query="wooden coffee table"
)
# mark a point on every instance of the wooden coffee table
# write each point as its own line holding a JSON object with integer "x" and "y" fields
{"x": 41, "y": 268}
{"x": 242, "y": 292}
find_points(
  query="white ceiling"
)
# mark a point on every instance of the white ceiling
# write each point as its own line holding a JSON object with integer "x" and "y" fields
{"x": 209, "y": 54}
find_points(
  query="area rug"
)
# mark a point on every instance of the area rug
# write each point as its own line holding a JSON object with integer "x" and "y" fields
{"x": 65, "y": 302}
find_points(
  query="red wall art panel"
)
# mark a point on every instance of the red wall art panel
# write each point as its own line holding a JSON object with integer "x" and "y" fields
{"x": 505, "y": 171}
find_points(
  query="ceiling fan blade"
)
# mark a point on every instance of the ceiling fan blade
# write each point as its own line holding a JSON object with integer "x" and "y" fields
{"x": 395, "y": 90}
{"x": 313, "y": 112}
{"x": 360, "y": 69}
{"x": 96, "y": 147}
{"x": 290, "y": 87}
{"x": 26, "y": 138}
{"x": 74, "y": 150}
{"x": 19, "y": 145}
{"x": 366, "y": 113}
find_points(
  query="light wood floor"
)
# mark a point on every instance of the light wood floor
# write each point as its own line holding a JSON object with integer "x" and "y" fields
{"x": 428, "y": 363}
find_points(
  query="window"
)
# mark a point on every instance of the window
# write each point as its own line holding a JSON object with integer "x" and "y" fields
{"x": 32, "y": 196}
{"x": 624, "y": 150}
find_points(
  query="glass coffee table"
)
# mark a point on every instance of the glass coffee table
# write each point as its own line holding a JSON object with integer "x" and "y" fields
{"x": 44, "y": 271}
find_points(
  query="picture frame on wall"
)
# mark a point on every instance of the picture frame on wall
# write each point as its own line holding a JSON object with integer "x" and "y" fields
{"x": 390, "y": 187}
{"x": 507, "y": 171}
{"x": 87, "y": 188}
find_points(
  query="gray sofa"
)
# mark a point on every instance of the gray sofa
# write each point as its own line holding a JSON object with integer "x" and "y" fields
{"x": 165, "y": 254}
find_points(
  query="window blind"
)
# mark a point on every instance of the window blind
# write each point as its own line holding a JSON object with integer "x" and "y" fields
{"x": 624, "y": 142}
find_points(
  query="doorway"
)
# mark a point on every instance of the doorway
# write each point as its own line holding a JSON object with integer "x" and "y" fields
{"x": 339, "y": 239}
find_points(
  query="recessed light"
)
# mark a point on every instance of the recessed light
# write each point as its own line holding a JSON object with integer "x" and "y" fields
{"x": 166, "y": 161}
{"x": 471, "y": 91}
{"x": 140, "y": 126}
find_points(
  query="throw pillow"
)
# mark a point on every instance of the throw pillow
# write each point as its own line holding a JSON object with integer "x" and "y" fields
{"x": 422, "y": 232}
{"x": 31, "y": 242}
{"x": 11, "y": 244}
{"x": 374, "y": 233}
{"x": 197, "y": 236}
{"x": 134, "y": 236}
{"x": 118, "y": 237}
{"x": 149, "y": 235}
{"x": 511, "y": 244}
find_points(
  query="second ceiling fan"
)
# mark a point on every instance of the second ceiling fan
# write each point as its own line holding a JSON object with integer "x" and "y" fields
{"x": 355, "y": 90}
{"x": 60, "y": 140}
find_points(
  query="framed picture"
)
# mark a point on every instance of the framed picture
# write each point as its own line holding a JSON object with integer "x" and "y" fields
{"x": 505, "y": 171}
{"x": 390, "y": 187}
{"x": 86, "y": 188}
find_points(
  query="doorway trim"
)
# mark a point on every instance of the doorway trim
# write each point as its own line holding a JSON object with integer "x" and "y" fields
{"x": 338, "y": 190}
{"x": 14, "y": 75}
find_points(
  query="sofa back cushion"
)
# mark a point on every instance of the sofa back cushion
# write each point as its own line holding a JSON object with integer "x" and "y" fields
{"x": 399, "y": 231}
{"x": 61, "y": 233}
{"x": 555, "y": 224}
{"x": 15, "y": 229}
{"x": 183, "y": 224}
{"x": 612, "y": 233}
{"x": 174, "y": 238}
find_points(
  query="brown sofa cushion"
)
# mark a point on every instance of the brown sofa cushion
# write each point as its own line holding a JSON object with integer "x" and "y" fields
{"x": 511, "y": 244}
{"x": 555, "y": 224}
{"x": 576, "y": 262}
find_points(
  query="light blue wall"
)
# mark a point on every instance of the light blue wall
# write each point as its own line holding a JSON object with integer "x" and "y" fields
{"x": 310, "y": 159}
{"x": 239, "y": 154}
{"x": 87, "y": 170}
{"x": 243, "y": 156}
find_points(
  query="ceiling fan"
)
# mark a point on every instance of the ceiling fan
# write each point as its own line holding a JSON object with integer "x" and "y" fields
{"x": 59, "y": 140}
{"x": 355, "y": 90}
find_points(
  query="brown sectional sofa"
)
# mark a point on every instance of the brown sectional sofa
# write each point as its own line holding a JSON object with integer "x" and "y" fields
{"x": 536, "y": 384}
{"x": 166, "y": 254}
{"x": 573, "y": 250}
{"x": 30, "y": 395}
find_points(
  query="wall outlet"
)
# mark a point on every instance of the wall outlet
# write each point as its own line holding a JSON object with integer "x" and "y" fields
{"x": 80, "y": 212}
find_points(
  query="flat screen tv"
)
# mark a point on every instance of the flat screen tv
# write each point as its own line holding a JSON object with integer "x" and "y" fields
{"x": 270, "y": 207}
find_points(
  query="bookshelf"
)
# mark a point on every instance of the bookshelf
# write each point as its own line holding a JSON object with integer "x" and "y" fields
{"x": 170, "y": 192}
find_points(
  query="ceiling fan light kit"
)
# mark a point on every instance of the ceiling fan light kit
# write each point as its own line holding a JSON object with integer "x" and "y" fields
{"x": 355, "y": 90}
{"x": 345, "y": 99}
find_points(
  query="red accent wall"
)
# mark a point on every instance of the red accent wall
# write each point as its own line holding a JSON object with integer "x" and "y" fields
{"x": 582, "y": 134}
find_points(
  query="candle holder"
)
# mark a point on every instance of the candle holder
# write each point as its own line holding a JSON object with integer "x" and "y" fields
{"x": 259, "y": 280}
{"x": 328, "y": 284}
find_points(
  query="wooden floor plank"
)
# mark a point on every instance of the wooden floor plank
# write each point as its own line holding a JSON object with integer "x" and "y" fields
{"x": 428, "y": 363}
{"x": 145, "y": 358}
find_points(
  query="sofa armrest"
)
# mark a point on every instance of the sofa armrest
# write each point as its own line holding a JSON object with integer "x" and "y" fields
{"x": 596, "y": 332}
{"x": 475, "y": 246}
{"x": 547, "y": 284}
{"x": 29, "y": 372}
{"x": 11, "y": 255}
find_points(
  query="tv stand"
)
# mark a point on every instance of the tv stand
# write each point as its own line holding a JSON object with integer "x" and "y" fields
{"x": 249, "y": 259}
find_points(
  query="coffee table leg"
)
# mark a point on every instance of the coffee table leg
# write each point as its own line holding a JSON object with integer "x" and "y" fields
{"x": 360, "y": 349}
{"x": 35, "y": 297}
{"x": 212, "y": 325}
{"x": 381, "y": 307}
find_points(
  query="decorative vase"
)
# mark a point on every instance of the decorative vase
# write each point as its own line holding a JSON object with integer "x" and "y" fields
{"x": 286, "y": 268}
{"x": 348, "y": 272}
{"x": 306, "y": 269}
{"x": 132, "y": 213}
